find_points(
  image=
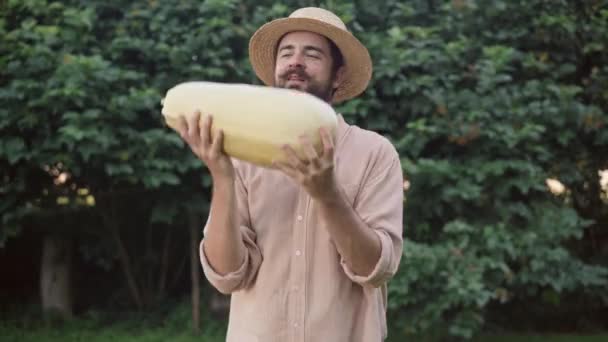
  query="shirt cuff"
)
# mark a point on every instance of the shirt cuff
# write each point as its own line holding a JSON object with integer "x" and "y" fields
{"x": 382, "y": 271}
{"x": 226, "y": 283}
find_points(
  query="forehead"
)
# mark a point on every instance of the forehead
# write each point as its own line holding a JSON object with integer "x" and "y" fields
{"x": 304, "y": 38}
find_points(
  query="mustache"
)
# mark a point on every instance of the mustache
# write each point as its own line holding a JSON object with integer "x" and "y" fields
{"x": 297, "y": 72}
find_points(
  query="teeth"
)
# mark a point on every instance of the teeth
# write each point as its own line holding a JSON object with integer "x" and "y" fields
{"x": 295, "y": 77}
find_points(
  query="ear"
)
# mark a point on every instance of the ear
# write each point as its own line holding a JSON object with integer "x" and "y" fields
{"x": 339, "y": 77}
{"x": 274, "y": 74}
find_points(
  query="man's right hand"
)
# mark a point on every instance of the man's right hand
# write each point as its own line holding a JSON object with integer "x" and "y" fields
{"x": 208, "y": 147}
{"x": 223, "y": 246}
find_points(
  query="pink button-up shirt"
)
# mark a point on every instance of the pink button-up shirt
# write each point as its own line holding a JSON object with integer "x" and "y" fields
{"x": 294, "y": 286}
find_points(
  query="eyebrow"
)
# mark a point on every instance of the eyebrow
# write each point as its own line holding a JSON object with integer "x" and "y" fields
{"x": 306, "y": 48}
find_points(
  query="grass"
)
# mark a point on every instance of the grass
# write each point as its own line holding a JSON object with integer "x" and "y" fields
{"x": 175, "y": 327}
{"x": 87, "y": 331}
{"x": 542, "y": 338}
{"x": 105, "y": 335}
{"x": 84, "y": 333}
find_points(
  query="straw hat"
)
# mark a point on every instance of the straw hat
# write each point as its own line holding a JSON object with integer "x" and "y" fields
{"x": 357, "y": 61}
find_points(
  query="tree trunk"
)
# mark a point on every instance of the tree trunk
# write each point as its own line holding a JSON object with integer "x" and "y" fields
{"x": 194, "y": 223}
{"x": 55, "y": 276}
{"x": 125, "y": 261}
{"x": 164, "y": 266}
{"x": 108, "y": 215}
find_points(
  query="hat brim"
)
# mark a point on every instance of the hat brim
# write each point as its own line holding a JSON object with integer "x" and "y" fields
{"x": 357, "y": 61}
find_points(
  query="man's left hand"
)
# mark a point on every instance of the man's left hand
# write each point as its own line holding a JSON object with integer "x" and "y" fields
{"x": 313, "y": 171}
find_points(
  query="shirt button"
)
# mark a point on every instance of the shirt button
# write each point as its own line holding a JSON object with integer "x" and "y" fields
{"x": 300, "y": 217}
{"x": 295, "y": 325}
{"x": 298, "y": 253}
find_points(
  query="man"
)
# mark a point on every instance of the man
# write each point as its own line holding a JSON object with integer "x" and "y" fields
{"x": 305, "y": 248}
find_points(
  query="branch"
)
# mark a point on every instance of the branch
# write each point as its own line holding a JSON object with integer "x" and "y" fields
{"x": 109, "y": 220}
{"x": 194, "y": 269}
{"x": 164, "y": 264}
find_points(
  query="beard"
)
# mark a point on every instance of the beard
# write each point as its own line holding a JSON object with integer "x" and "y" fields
{"x": 311, "y": 86}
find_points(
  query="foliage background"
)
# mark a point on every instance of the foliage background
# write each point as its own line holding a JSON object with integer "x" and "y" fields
{"x": 483, "y": 99}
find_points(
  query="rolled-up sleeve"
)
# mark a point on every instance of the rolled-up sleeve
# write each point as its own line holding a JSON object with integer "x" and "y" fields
{"x": 245, "y": 275}
{"x": 380, "y": 206}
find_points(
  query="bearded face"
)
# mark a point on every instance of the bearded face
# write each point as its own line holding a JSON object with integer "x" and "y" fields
{"x": 304, "y": 62}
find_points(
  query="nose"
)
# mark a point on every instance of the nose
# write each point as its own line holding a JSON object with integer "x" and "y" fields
{"x": 296, "y": 61}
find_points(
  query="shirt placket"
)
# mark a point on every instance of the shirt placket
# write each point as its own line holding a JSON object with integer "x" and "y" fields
{"x": 298, "y": 283}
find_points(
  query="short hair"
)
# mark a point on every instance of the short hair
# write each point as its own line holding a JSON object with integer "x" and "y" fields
{"x": 336, "y": 56}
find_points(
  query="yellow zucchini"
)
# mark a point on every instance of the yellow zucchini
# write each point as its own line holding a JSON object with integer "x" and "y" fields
{"x": 256, "y": 120}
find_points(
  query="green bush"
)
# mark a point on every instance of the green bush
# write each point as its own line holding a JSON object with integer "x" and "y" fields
{"x": 484, "y": 101}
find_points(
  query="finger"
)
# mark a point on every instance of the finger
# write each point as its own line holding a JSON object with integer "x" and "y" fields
{"x": 217, "y": 146}
{"x": 310, "y": 151}
{"x": 328, "y": 144}
{"x": 192, "y": 122}
{"x": 294, "y": 161}
{"x": 182, "y": 127}
{"x": 286, "y": 169}
{"x": 205, "y": 131}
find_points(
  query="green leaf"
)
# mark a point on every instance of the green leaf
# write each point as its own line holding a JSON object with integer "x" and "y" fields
{"x": 118, "y": 169}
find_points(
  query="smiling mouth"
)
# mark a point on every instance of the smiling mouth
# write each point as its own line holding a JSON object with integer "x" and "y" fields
{"x": 295, "y": 79}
